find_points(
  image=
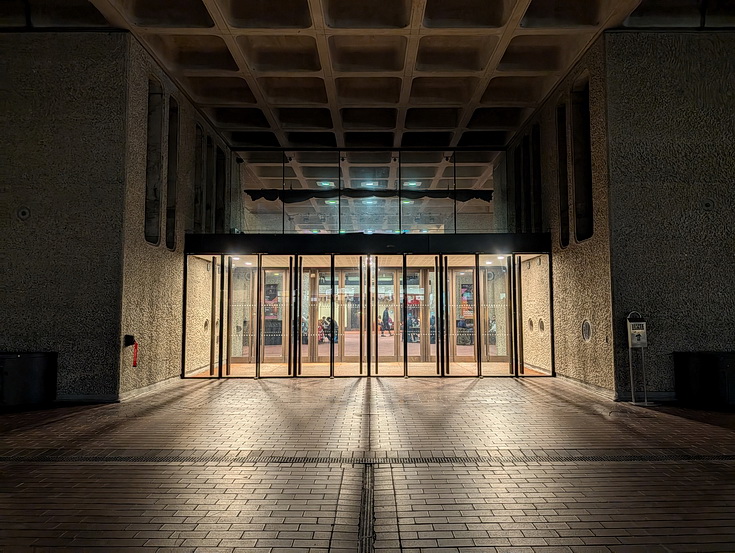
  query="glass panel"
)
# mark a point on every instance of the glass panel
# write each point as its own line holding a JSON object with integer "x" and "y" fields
{"x": 275, "y": 316}
{"x": 242, "y": 315}
{"x": 316, "y": 305}
{"x": 348, "y": 311}
{"x": 369, "y": 201}
{"x": 200, "y": 278}
{"x": 421, "y": 315}
{"x": 494, "y": 315}
{"x": 461, "y": 315}
{"x": 474, "y": 172}
{"x": 389, "y": 331}
{"x": 534, "y": 314}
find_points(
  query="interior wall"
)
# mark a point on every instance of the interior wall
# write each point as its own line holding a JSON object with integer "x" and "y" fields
{"x": 536, "y": 313}
{"x": 61, "y": 185}
{"x": 198, "y": 313}
{"x": 153, "y": 274}
{"x": 671, "y": 105}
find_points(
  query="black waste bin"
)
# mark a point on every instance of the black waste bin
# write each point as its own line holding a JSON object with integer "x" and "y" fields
{"x": 705, "y": 378}
{"x": 27, "y": 378}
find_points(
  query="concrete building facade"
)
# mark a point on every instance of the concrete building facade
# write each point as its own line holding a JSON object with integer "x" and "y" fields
{"x": 635, "y": 171}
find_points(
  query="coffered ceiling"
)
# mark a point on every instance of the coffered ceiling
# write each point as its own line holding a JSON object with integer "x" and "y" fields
{"x": 368, "y": 74}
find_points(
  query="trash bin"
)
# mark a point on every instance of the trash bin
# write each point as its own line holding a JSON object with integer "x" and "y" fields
{"x": 705, "y": 378}
{"x": 27, "y": 378}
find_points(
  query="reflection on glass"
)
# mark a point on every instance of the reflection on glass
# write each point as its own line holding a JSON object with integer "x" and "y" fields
{"x": 348, "y": 316}
{"x": 316, "y": 309}
{"x": 461, "y": 315}
{"x": 494, "y": 315}
{"x": 275, "y": 314}
{"x": 388, "y": 336}
{"x": 421, "y": 315}
{"x": 242, "y": 318}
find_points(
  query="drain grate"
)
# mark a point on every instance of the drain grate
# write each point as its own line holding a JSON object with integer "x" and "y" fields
{"x": 288, "y": 460}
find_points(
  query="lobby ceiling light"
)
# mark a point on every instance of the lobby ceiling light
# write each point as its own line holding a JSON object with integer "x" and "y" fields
{"x": 370, "y": 202}
{"x": 315, "y": 231}
{"x": 325, "y": 183}
{"x": 248, "y": 263}
{"x": 488, "y": 262}
{"x": 501, "y": 257}
{"x": 368, "y": 231}
{"x": 370, "y": 183}
{"x": 331, "y": 202}
{"x": 235, "y": 259}
{"x": 412, "y": 183}
{"x": 407, "y": 202}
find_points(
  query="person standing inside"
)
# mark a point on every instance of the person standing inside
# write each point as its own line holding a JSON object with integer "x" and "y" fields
{"x": 387, "y": 323}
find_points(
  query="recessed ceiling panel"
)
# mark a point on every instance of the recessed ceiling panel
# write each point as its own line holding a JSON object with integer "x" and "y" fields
{"x": 294, "y": 90}
{"x": 368, "y": 90}
{"x": 467, "y": 13}
{"x": 349, "y": 14}
{"x": 265, "y": 14}
{"x": 432, "y": 118}
{"x": 562, "y": 14}
{"x": 304, "y": 118}
{"x": 239, "y": 117}
{"x": 193, "y": 52}
{"x": 497, "y": 118}
{"x": 168, "y": 13}
{"x": 442, "y": 90}
{"x": 368, "y": 118}
{"x": 454, "y": 52}
{"x": 280, "y": 52}
{"x": 515, "y": 91}
{"x": 367, "y": 52}
{"x": 220, "y": 90}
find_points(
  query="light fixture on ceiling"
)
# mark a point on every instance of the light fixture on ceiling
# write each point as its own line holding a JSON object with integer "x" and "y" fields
{"x": 412, "y": 183}
{"x": 501, "y": 257}
{"x": 368, "y": 231}
{"x": 315, "y": 231}
{"x": 370, "y": 202}
{"x": 331, "y": 202}
{"x": 488, "y": 262}
{"x": 424, "y": 230}
{"x": 235, "y": 259}
{"x": 248, "y": 263}
{"x": 370, "y": 183}
{"x": 325, "y": 183}
{"x": 407, "y": 202}
{"x": 343, "y": 231}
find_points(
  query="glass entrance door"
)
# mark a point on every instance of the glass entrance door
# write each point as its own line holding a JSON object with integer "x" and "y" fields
{"x": 385, "y": 315}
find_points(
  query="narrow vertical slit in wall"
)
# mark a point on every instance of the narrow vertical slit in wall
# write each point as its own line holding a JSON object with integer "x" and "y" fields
{"x": 153, "y": 163}
{"x": 516, "y": 187}
{"x": 582, "y": 161}
{"x": 526, "y": 184}
{"x": 219, "y": 198}
{"x": 199, "y": 180}
{"x": 209, "y": 188}
{"x": 536, "y": 178}
{"x": 562, "y": 176}
{"x": 172, "y": 172}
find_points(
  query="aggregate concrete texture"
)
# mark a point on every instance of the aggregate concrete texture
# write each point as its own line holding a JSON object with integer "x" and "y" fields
{"x": 481, "y": 465}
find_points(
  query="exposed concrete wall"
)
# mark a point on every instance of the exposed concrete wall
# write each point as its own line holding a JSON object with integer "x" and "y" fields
{"x": 536, "y": 312}
{"x": 62, "y": 137}
{"x": 153, "y": 275}
{"x": 580, "y": 271}
{"x": 670, "y": 113}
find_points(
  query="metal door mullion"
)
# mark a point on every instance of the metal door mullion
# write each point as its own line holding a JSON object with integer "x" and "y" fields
{"x": 258, "y": 313}
{"x": 229, "y": 312}
{"x": 331, "y": 324}
{"x": 478, "y": 316}
{"x": 405, "y": 318}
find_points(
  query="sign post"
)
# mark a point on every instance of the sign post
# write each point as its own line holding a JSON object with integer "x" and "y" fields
{"x": 637, "y": 339}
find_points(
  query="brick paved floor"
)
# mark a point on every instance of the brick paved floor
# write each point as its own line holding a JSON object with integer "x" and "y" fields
{"x": 418, "y": 465}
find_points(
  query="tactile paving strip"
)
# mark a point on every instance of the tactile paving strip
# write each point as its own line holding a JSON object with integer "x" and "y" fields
{"x": 293, "y": 460}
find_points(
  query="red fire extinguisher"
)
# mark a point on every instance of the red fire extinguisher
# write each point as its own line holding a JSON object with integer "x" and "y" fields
{"x": 129, "y": 340}
{"x": 135, "y": 354}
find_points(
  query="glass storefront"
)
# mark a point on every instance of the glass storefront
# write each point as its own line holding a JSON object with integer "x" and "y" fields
{"x": 263, "y": 316}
